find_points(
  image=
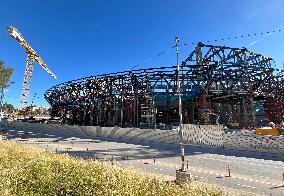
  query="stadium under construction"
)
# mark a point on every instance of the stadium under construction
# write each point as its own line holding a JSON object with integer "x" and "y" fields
{"x": 218, "y": 84}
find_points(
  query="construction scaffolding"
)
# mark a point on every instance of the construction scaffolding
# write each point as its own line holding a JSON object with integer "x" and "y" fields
{"x": 218, "y": 84}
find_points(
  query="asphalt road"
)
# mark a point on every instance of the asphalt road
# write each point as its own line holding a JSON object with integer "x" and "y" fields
{"x": 254, "y": 172}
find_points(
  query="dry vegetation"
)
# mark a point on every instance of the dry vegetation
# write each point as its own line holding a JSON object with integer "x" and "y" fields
{"x": 25, "y": 170}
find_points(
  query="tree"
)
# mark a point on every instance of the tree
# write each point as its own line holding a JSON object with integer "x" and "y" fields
{"x": 5, "y": 80}
{"x": 5, "y": 75}
{"x": 26, "y": 111}
{"x": 8, "y": 108}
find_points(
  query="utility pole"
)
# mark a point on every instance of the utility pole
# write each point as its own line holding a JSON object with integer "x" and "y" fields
{"x": 179, "y": 109}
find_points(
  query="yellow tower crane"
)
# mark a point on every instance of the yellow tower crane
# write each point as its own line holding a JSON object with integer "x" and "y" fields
{"x": 32, "y": 56}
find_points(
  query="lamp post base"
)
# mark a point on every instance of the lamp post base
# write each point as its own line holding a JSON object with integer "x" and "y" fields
{"x": 183, "y": 176}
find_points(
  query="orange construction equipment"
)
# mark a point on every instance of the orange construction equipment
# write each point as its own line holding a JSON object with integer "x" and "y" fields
{"x": 266, "y": 131}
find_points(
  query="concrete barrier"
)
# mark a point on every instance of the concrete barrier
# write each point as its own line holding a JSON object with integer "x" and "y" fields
{"x": 258, "y": 143}
{"x": 208, "y": 135}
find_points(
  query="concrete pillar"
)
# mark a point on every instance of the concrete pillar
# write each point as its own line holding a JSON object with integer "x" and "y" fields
{"x": 183, "y": 176}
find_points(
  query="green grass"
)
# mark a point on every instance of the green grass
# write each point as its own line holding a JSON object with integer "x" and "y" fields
{"x": 25, "y": 170}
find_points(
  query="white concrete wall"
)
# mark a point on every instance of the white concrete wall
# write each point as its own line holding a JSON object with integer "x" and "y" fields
{"x": 256, "y": 143}
{"x": 210, "y": 135}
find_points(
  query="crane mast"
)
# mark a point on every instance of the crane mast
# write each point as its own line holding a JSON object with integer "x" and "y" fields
{"x": 31, "y": 57}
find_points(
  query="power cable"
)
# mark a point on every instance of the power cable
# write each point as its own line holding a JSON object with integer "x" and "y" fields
{"x": 267, "y": 33}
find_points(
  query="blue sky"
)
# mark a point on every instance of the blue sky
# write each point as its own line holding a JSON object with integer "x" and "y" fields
{"x": 79, "y": 38}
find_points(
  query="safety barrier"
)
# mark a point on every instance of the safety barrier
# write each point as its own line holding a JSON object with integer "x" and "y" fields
{"x": 208, "y": 135}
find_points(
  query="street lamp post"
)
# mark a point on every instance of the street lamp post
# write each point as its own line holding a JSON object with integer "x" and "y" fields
{"x": 180, "y": 109}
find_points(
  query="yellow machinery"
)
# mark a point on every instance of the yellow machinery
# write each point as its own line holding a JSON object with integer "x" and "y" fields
{"x": 266, "y": 131}
{"x": 32, "y": 56}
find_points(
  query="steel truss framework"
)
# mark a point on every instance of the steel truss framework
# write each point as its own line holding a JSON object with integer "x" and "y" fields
{"x": 218, "y": 83}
